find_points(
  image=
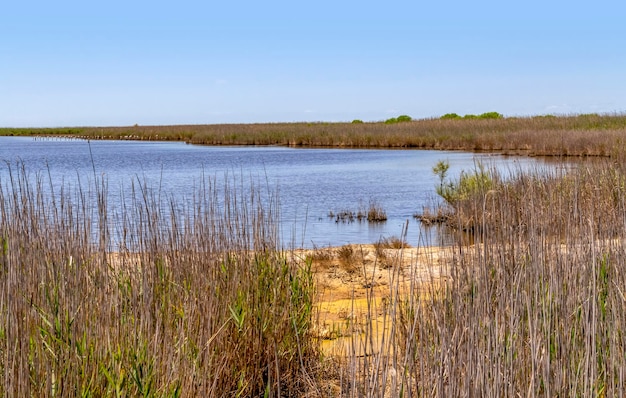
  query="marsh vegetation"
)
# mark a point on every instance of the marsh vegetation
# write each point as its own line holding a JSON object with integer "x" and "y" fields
{"x": 536, "y": 305}
{"x": 576, "y": 135}
{"x": 153, "y": 300}
{"x": 205, "y": 302}
{"x": 159, "y": 298}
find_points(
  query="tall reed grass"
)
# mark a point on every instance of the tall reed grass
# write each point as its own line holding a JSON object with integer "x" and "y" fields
{"x": 535, "y": 307}
{"x": 142, "y": 301}
{"x": 576, "y": 135}
{"x": 201, "y": 301}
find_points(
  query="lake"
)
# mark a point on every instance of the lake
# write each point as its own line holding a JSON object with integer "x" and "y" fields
{"x": 310, "y": 182}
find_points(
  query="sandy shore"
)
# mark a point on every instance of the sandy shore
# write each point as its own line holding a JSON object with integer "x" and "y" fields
{"x": 356, "y": 280}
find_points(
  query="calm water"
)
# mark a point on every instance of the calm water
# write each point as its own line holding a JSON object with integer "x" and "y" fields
{"x": 310, "y": 182}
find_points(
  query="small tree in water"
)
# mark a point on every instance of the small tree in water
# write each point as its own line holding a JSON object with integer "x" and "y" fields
{"x": 468, "y": 184}
{"x": 441, "y": 171}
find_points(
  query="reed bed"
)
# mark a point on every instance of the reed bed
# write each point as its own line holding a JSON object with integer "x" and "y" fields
{"x": 149, "y": 299}
{"x": 158, "y": 300}
{"x": 535, "y": 307}
{"x": 576, "y": 135}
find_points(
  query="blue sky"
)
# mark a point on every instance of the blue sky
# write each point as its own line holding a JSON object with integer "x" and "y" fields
{"x": 77, "y": 63}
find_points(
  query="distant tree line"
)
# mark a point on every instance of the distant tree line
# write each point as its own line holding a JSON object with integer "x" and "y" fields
{"x": 486, "y": 115}
{"x": 407, "y": 118}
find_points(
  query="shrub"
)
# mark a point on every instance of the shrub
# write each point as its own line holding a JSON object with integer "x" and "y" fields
{"x": 490, "y": 115}
{"x": 441, "y": 171}
{"x": 486, "y": 115}
{"x": 450, "y": 116}
{"x": 468, "y": 184}
{"x": 357, "y": 121}
{"x": 399, "y": 119}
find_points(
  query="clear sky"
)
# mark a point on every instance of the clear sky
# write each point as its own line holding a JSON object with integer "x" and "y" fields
{"x": 96, "y": 63}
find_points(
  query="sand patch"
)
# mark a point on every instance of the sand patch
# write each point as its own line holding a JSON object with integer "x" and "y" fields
{"x": 356, "y": 285}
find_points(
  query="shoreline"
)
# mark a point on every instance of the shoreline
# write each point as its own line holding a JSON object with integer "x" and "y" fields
{"x": 591, "y": 135}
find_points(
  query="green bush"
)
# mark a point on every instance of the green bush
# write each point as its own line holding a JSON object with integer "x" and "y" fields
{"x": 490, "y": 115}
{"x": 399, "y": 119}
{"x": 468, "y": 184}
{"x": 486, "y": 115}
{"x": 357, "y": 121}
{"x": 450, "y": 116}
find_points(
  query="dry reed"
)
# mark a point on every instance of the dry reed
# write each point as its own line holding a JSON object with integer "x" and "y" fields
{"x": 535, "y": 307}
{"x": 149, "y": 299}
{"x": 577, "y": 135}
{"x": 202, "y": 303}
